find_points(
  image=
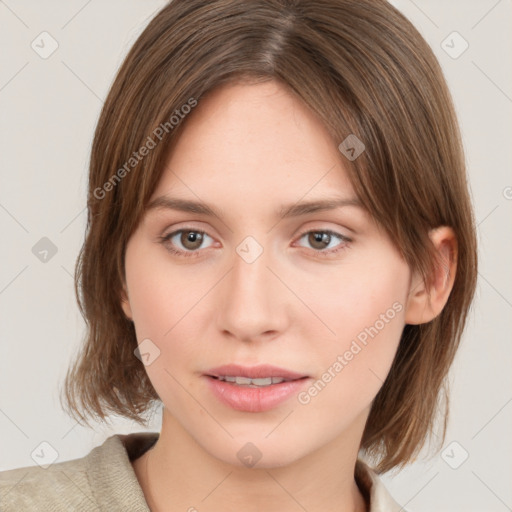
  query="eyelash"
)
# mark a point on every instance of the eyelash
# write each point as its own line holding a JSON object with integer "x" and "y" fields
{"x": 322, "y": 253}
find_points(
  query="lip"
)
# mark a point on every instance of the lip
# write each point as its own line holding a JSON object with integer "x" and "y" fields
{"x": 254, "y": 372}
{"x": 247, "y": 399}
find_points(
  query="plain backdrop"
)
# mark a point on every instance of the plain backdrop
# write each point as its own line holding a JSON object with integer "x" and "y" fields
{"x": 49, "y": 107}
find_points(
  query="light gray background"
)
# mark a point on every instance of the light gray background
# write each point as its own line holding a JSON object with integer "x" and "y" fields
{"x": 49, "y": 109}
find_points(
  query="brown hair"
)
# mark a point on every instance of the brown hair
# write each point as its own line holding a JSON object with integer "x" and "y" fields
{"x": 363, "y": 68}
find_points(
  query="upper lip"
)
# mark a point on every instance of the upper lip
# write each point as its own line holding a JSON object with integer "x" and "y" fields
{"x": 253, "y": 372}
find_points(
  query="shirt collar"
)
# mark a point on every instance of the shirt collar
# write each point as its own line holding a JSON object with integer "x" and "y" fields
{"x": 374, "y": 491}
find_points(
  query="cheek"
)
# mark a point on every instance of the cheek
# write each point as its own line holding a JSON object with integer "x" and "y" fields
{"x": 350, "y": 299}
{"x": 159, "y": 305}
{"x": 364, "y": 308}
{"x": 162, "y": 303}
{"x": 155, "y": 295}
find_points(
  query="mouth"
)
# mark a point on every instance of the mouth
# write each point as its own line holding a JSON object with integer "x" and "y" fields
{"x": 261, "y": 375}
{"x": 254, "y": 389}
{"x": 252, "y": 383}
{"x": 256, "y": 379}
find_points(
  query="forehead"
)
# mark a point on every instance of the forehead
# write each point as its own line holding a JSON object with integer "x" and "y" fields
{"x": 253, "y": 144}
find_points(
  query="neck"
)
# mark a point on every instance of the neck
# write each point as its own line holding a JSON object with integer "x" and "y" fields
{"x": 179, "y": 474}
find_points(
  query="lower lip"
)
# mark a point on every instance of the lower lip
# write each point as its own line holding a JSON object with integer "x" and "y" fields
{"x": 244, "y": 398}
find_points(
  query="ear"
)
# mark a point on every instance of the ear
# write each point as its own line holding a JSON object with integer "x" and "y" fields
{"x": 125, "y": 303}
{"x": 422, "y": 307}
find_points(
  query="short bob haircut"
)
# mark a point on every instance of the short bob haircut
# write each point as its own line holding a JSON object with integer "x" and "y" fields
{"x": 364, "y": 69}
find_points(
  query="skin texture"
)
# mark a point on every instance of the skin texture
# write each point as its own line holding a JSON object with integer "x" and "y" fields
{"x": 247, "y": 150}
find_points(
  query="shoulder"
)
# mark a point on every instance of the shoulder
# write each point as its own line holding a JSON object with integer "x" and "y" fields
{"x": 62, "y": 486}
{"x": 102, "y": 479}
{"x": 374, "y": 491}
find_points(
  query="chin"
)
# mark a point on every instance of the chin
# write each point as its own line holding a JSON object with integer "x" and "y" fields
{"x": 257, "y": 454}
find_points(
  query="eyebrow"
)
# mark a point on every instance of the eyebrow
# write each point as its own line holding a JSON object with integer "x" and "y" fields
{"x": 287, "y": 211}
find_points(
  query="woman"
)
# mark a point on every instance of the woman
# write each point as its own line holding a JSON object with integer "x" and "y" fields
{"x": 280, "y": 250}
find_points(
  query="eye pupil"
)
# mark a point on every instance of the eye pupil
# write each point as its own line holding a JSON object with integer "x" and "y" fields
{"x": 191, "y": 237}
{"x": 321, "y": 239}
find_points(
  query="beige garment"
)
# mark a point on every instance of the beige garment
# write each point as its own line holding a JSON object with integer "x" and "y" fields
{"x": 104, "y": 480}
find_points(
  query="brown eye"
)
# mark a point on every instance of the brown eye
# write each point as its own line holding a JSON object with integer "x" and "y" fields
{"x": 184, "y": 242}
{"x": 191, "y": 240}
{"x": 321, "y": 240}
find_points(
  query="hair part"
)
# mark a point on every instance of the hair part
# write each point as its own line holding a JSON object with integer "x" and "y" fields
{"x": 364, "y": 69}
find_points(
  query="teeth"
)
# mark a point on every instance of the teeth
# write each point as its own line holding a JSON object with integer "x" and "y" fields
{"x": 245, "y": 381}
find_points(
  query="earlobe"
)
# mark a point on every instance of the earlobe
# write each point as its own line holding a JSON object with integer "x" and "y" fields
{"x": 424, "y": 306}
{"x": 125, "y": 304}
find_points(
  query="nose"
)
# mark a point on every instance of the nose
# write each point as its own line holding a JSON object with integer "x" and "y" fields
{"x": 253, "y": 302}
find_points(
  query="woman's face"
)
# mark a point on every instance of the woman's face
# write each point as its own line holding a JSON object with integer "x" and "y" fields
{"x": 319, "y": 292}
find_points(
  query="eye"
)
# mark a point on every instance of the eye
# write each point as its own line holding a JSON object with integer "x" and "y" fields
{"x": 321, "y": 240}
{"x": 190, "y": 240}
